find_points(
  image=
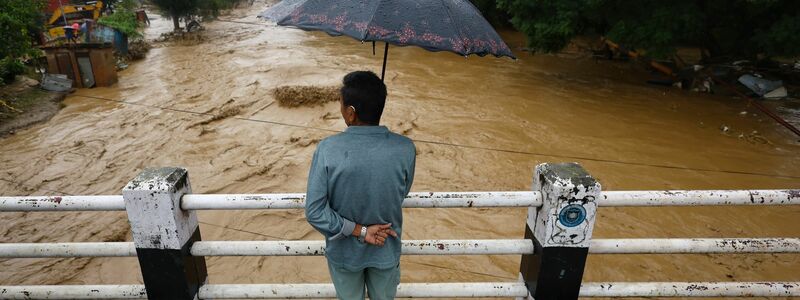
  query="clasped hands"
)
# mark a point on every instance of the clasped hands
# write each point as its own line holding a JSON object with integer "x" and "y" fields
{"x": 376, "y": 234}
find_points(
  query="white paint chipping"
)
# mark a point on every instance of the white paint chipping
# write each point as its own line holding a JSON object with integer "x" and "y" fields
{"x": 62, "y": 203}
{"x": 152, "y": 201}
{"x": 38, "y": 250}
{"x": 558, "y": 193}
{"x": 404, "y": 290}
{"x": 410, "y": 247}
{"x": 416, "y": 200}
{"x": 413, "y": 247}
{"x": 667, "y": 246}
{"x": 690, "y": 289}
{"x": 700, "y": 197}
{"x": 417, "y": 290}
{"x": 131, "y": 291}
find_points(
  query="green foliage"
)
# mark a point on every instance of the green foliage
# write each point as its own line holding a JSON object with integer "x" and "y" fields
{"x": 18, "y": 20}
{"x": 123, "y": 19}
{"x": 492, "y": 13}
{"x": 212, "y": 8}
{"x": 129, "y": 5}
{"x": 10, "y": 67}
{"x": 733, "y": 28}
{"x": 175, "y": 9}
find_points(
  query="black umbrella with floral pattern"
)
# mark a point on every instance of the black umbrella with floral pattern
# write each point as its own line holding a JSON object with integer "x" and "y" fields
{"x": 435, "y": 25}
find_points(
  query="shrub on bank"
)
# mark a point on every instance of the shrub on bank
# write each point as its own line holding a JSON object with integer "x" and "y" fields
{"x": 10, "y": 68}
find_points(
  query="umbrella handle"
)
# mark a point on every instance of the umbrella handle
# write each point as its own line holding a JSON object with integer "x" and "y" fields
{"x": 385, "y": 54}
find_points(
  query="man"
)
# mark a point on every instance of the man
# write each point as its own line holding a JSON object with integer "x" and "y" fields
{"x": 356, "y": 187}
{"x": 86, "y": 30}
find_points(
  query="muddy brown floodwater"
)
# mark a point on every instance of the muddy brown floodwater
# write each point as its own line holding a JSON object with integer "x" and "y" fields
{"x": 560, "y": 108}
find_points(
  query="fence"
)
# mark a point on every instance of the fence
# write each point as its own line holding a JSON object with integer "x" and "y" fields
{"x": 558, "y": 237}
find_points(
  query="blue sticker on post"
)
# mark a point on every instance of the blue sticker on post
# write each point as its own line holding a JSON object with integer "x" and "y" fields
{"x": 572, "y": 215}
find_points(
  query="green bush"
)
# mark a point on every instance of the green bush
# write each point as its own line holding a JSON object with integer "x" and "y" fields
{"x": 175, "y": 9}
{"x": 18, "y": 19}
{"x": 123, "y": 19}
{"x": 724, "y": 28}
{"x": 9, "y": 68}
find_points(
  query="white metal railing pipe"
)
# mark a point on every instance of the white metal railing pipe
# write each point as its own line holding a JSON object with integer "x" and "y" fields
{"x": 417, "y": 290}
{"x": 404, "y": 290}
{"x": 690, "y": 289}
{"x": 62, "y": 203}
{"x": 700, "y": 197}
{"x": 413, "y": 247}
{"x": 674, "y": 246}
{"x": 39, "y": 250}
{"x": 414, "y": 200}
{"x": 132, "y": 291}
{"x": 410, "y": 247}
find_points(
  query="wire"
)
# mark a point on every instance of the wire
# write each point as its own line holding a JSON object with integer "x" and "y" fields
{"x": 242, "y": 22}
{"x": 756, "y": 104}
{"x": 460, "y": 270}
{"x": 39, "y": 188}
{"x": 575, "y": 157}
{"x": 206, "y": 114}
{"x": 242, "y": 230}
{"x": 568, "y": 156}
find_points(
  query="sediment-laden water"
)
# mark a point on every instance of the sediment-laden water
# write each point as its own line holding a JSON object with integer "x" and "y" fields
{"x": 537, "y": 109}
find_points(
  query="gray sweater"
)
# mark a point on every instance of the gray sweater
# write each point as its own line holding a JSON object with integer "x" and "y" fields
{"x": 360, "y": 176}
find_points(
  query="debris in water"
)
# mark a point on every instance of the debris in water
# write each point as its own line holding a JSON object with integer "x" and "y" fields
{"x": 56, "y": 82}
{"x": 778, "y": 93}
{"x": 758, "y": 85}
{"x": 224, "y": 113}
{"x": 724, "y": 128}
{"x": 137, "y": 49}
{"x": 181, "y": 38}
{"x": 296, "y": 96}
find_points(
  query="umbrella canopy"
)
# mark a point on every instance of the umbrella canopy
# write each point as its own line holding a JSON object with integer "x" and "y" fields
{"x": 445, "y": 25}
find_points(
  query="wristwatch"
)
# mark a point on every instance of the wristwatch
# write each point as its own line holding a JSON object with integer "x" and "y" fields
{"x": 362, "y": 237}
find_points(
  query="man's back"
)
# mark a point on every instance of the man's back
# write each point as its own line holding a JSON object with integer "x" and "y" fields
{"x": 365, "y": 173}
{"x": 355, "y": 193}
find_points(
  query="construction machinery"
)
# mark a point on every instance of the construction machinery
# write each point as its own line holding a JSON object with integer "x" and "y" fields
{"x": 65, "y": 12}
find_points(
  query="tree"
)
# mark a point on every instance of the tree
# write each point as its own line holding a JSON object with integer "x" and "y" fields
{"x": 176, "y": 9}
{"x": 492, "y": 12}
{"x": 724, "y": 28}
{"x": 19, "y": 19}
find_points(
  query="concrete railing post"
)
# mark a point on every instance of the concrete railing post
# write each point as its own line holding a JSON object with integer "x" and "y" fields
{"x": 163, "y": 234}
{"x": 561, "y": 230}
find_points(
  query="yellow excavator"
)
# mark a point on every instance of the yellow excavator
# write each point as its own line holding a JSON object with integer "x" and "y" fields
{"x": 68, "y": 13}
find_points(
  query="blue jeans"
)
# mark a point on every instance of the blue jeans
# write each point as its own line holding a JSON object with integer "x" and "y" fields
{"x": 380, "y": 283}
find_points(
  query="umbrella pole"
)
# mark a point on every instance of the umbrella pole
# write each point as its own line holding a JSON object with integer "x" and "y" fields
{"x": 385, "y": 54}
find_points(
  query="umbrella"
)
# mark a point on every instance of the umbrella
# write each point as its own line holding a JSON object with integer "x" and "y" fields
{"x": 445, "y": 25}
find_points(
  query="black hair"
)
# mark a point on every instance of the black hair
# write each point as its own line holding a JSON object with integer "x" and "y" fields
{"x": 367, "y": 93}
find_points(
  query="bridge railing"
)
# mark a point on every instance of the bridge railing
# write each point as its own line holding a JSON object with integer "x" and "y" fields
{"x": 561, "y": 213}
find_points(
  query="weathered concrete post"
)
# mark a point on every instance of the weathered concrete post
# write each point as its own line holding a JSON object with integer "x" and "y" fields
{"x": 163, "y": 234}
{"x": 561, "y": 231}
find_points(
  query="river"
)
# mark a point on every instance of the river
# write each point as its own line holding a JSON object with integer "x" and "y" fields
{"x": 510, "y": 115}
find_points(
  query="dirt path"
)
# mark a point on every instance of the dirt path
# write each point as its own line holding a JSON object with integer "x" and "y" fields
{"x": 24, "y": 104}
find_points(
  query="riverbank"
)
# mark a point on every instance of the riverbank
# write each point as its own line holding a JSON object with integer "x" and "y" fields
{"x": 23, "y": 103}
